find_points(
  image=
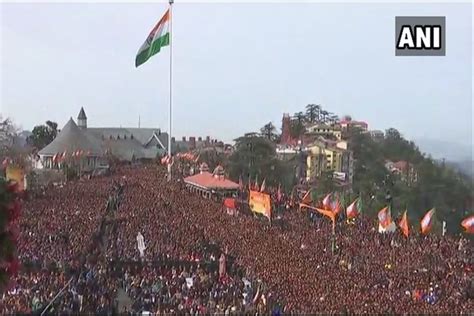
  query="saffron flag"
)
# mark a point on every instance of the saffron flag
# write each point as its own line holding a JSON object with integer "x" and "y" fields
{"x": 427, "y": 221}
{"x": 158, "y": 38}
{"x": 404, "y": 224}
{"x": 385, "y": 219}
{"x": 336, "y": 206}
{"x": 354, "y": 209}
{"x": 468, "y": 224}
{"x": 327, "y": 201}
{"x": 306, "y": 199}
{"x": 260, "y": 203}
{"x": 327, "y": 213}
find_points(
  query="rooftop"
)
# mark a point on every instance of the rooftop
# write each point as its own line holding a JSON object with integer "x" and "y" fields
{"x": 207, "y": 180}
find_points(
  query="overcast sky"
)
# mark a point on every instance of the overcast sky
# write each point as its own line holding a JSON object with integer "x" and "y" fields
{"x": 236, "y": 67}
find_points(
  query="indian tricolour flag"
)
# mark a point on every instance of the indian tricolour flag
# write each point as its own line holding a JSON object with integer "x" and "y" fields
{"x": 158, "y": 38}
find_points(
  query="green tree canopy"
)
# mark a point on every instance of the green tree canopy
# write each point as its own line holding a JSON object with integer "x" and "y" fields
{"x": 313, "y": 112}
{"x": 269, "y": 132}
{"x": 256, "y": 156}
{"x": 437, "y": 185}
{"x": 42, "y": 135}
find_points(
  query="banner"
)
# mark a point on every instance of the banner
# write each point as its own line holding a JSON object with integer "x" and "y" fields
{"x": 17, "y": 175}
{"x": 260, "y": 203}
{"x": 230, "y": 206}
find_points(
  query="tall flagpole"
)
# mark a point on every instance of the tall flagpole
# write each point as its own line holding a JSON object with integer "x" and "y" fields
{"x": 171, "y": 89}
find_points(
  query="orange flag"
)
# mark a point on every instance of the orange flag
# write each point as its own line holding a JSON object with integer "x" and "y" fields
{"x": 336, "y": 207}
{"x": 404, "y": 224}
{"x": 354, "y": 209}
{"x": 468, "y": 224}
{"x": 385, "y": 218}
{"x": 327, "y": 201}
{"x": 426, "y": 222}
{"x": 307, "y": 198}
{"x": 327, "y": 213}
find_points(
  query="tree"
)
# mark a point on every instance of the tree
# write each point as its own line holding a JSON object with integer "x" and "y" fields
{"x": 312, "y": 112}
{"x": 333, "y": 118}
{"x": 8, "y": 132}
{"x": 9, "y": 146}
{"x": 256, "y": 156}
{"x": 324, "y": 116}
{"x": 269, "y": 132}
{"x": 42, "y": 135}
{"x": 437, "y": 185}
{"x": 297, "y": 127}
{"x": 212, "y": 157}
{"x": 326, "y": 182}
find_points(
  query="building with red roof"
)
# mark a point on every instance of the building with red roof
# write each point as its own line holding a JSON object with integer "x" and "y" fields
{"x": 212, "y": 184}
{"x": 345, "y": 124}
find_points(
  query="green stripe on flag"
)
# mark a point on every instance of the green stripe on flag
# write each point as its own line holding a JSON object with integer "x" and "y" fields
{"x": 155, "y": 48}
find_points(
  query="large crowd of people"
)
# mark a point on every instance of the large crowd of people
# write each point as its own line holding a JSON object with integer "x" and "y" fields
{"x": 79, "y": 248}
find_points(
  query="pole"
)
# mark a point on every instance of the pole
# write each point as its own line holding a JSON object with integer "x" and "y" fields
{"x": 171, "y": 89}
{"x": 333, "y": 242}
{"x": 57, "y": 295}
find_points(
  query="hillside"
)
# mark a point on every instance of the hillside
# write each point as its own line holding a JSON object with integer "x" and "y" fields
{"x": 465, "y": 167}
{"x": 437, "y": 185}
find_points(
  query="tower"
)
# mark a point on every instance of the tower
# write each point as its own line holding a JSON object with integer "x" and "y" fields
{"x": 82, "y": 119}
{"x": 285, "y": 130}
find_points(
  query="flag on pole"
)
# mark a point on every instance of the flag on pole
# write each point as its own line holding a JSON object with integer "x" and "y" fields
{"x": 307, "y": 198}
{"x": 426, "y": 221}
{"x": 327, "y": 201}
{"x": 384, "y": 217}
{"x": 404, "y": 224}
{"x": 468, "y": 224}
{"x": 330, "y": 214}
{"x": 336, "y": 206}
{"x": 262, "y": 188}
{"x": 158, "y": 38}
{"x": 354, "y": 209}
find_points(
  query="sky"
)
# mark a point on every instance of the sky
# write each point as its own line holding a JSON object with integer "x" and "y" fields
{"x": 236, "y": 66}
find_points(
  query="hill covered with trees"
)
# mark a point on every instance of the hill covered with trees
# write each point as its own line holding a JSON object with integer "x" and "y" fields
{"x": 437, "y": 184}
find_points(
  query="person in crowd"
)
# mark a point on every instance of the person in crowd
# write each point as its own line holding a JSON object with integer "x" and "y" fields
{"x": 80, "y": 256}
